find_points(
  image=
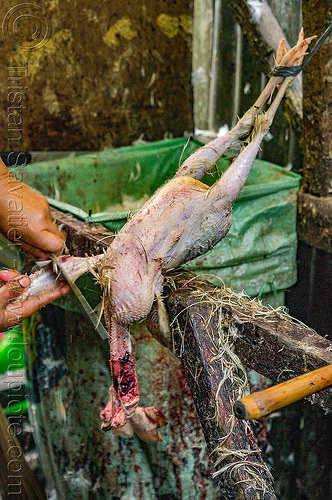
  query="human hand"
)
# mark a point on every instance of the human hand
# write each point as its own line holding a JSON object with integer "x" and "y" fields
{"x": 12, "y": 285}
{"x": 25, "y": 217}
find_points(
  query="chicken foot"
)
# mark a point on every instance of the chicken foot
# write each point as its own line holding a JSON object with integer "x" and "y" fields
{"x": 202, "y": 160}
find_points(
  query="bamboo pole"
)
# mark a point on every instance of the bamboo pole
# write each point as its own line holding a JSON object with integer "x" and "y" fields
{"x": 17, "y": 480}
{"x": 262, "y": 403}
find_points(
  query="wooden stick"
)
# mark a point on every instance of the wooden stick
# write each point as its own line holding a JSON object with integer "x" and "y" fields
{"x": 17, "y": 480}
{"x": 261, "y": 403}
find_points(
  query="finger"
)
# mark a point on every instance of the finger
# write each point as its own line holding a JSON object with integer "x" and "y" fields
{"x": 36, "y": 252}
{"x": 51, "y": 241}
{"x": 8, "y": 274}
{"x": 30, "y": 306}
{"x": 45, "y": 234}
{"x": 14, "y": 288}
{"x": 45, "y": 243}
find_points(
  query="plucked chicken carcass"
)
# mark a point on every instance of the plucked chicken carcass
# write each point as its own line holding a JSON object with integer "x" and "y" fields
{"x": 182, "y": 220}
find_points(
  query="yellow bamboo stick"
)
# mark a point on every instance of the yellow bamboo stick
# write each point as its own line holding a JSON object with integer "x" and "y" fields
{"x": 261, "y": 403}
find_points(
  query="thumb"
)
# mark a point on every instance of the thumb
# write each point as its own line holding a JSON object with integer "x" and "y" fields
{"x": 51, "y": 241}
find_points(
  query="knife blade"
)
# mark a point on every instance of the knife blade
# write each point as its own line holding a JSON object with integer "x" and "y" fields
{"x": 82, "y": 300}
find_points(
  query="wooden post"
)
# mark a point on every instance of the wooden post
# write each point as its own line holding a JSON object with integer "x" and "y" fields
{"x": 239, "y": 468}
{"x": 317, "y": 109}
{"x": 315, "y": 200}
{"x": 310, "y": 297}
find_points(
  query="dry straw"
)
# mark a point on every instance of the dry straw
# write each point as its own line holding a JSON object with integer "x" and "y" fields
{"x": 227, "y": 462}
